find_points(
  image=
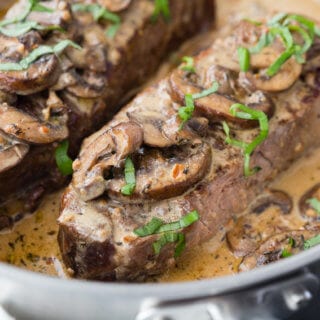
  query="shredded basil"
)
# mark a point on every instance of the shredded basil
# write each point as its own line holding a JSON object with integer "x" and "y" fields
{"x": 314, "y": 204}
{"x": 186, "y": 112}
{"x": 130, "y": 178}
{"x": 281, "y": 26}
{"x": 170, "y": 232}
{"x": 189, "y": 64}
{"x": 243, "y": 112}
{"x": 63, "y": 161}
{"x": 244, "y": 59}
{"x": 286, "y": 253}
{"x": 161, "y": 8}
{"x": 311, "y": 242}
{"x": 20, "y": 26}
{"x": 98, "y": 12}
{"x": 36, "y": 54}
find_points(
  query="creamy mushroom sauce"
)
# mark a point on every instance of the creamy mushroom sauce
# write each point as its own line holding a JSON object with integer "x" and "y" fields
{"x": 32, "y": 243}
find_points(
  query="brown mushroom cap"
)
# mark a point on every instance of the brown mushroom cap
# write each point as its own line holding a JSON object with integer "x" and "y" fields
{"x": 11, "y": 152}
{"x": 306, "y": 210}
{"x": 216, "y": 106}
{"x": 271, "y": 249}
{"x": 23, "y": 126}
{"x": 165, "y": 173}
{"x": 40, "y": 75}
{"x": 100, "y": 153}
{"x": 245, "y": 237}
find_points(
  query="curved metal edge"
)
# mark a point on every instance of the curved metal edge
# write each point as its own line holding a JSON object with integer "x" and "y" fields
{"x": 215, "y": 286}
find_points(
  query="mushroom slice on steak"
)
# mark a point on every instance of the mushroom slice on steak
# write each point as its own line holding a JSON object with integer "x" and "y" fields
{"x": 216, "y": 106}
{"x": 28, "y": 128}
{"x": 246, "y": 236}
{"x": 11, "y": 152}
{"x": 306, "y": 207}
{"x": 272, "y": 249}
{"x": 165, "y": 173}
{"x": 102, "y": 152}
{"x": 161, "y": 126}
{"x": 284, "y": 79}
{"x": 39, "y": 76}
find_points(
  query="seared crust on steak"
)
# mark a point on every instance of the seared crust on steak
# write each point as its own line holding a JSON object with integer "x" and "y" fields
{"x": 97, "y": 238}
{"x": 71, "y": 95}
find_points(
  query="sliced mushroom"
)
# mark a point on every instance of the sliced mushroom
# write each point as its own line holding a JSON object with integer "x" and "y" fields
{"x": 165, "y": 173}
{"x": 271, "y": 250}
{"x": 115, "y": 5}
{"x": 28, "y": 128}
{"x": 161, "y": 127}
{"x": 11, "y": 152}
{"x": 246, "y": 236}
{"x": 306, "y": 210}
{"x": 90, "y": 85}
{"x": 216, "y": 106}
{"x": 40, "y": 75}
{"x": 105, "y": 150}
{"x": 60, "y": 15}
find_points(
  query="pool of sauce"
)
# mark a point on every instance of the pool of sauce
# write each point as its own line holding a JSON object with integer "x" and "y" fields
{"x": 32, "y": 244}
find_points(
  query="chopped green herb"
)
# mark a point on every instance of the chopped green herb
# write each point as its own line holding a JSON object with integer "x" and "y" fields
{"x": 285, "y": 253}
{"x": 314, "y": 204}
{"x": 161, "y": 8}
{"x": 185, "y": 112}
{"x": 130, "y": 178}
{"x": 189, "y": 64}
{"x": 36, "y": 54}
{"x": 150, "y": 228}
{"x": 21, "y": 28}
{"x": 168, "y": 232}
{"x": 248, "y": 114}
{"x": 98, "y": 12}
{"x": 244, "y": 59}
{"x": 291, "y": 242}
{"x": 281, "y": 26}
{"x": 275, "y": 67}
{"x": 63, "y": 161}
{"x": 312, "y": 242}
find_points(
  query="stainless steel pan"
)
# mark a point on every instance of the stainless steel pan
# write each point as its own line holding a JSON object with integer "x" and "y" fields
{"x": 271, "y": 292}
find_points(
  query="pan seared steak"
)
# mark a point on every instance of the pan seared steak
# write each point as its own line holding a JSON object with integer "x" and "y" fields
{"x": 105, "y": 233}
{"x": 69, "y": 93}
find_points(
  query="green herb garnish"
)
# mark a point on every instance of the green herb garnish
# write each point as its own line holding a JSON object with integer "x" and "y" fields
{"x": 161, "y": 8}
{"x": 243, "y": 112}
{"x": 285, "y": 253}
{"x": 283, "y": 25}
{"x": 314, "y": 204}
{"x": 311, "y": 242}
{"x": 189, "y": 64}
{"x": 20, "y": 26}
{"x": 98, "y": 12}
{"x": 130, "y": 178}
{"x": 186, "y": 112}
{"x": 244, "y": 59}
{"x": 63, "y": 161}
{"x": 169, "y": 232}
{"x": 36, "y": 54}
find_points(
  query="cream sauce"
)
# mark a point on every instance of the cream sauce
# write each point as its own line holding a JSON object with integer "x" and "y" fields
{"x": 32, "y": 243}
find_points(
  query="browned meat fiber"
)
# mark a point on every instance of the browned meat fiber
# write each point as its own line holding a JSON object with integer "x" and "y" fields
{"x": 70, "y": 95}
{"x": 178, "y": 171}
